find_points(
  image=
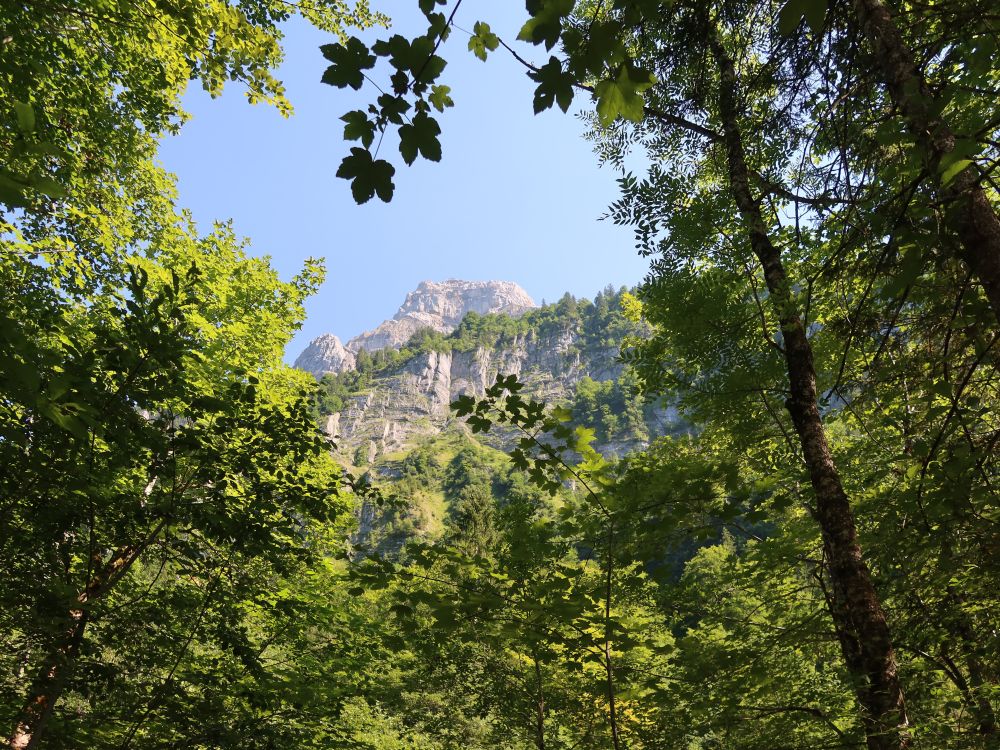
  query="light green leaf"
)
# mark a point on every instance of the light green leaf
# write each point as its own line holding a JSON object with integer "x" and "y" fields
{"x": 483, "y": 40}
{"x": 440, "y": 97}
{"x": 562, "y": 414}
{"x": 622, "y": 96}
{"x": 954, "y": 170}
{"x": 25, "y": 117}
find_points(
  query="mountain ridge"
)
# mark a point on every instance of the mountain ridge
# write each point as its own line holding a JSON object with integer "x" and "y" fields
{"x": 436, "y": 305}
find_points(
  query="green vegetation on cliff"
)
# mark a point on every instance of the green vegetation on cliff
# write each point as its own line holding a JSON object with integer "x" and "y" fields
{"x": 565, "y": 333}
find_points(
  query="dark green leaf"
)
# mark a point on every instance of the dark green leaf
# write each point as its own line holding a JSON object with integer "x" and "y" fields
{"x": 554, "y": 86}
{"x": 359, "y": 127}
{"x": 420, "y": 135}
{"x": 393, "y": 108}
{"x": 48, "y": 186}
{"x": 545, "y": 25}
{"x": 368, "y": 176}
{"x": 431, "y": 69}
{"x": 348, "y": 63}
{"x": 815, "y": 13}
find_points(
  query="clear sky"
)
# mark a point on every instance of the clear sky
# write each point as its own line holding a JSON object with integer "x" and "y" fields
{"x": 515, "y": 197}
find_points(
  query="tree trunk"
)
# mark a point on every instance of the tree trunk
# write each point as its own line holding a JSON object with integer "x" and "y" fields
{"x": 968, "y": 212}
{"x": 539, "y": 706}
{"x": 985, "y": 714}
{"x": 864, "y": 633}
{"x": 608, "y": 665}
{"x": 972, "y": 689}
{"x": 961, "y": 624}
{"x": 47, "y": 687}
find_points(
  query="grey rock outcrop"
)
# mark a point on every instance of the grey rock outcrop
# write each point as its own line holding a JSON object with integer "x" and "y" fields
{"x": 441, "y": 305}
{"x": 396, "y": 407}
{"x": 325, "y": 354}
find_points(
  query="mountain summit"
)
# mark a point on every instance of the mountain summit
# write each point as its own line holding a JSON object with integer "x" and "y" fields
{"x": 439, "y": 305}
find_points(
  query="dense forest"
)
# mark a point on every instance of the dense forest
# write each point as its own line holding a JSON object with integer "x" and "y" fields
{"x": 811, "y": 562}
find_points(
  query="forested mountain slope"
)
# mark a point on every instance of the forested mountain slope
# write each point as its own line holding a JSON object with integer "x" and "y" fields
{"x": 389, "y": 413}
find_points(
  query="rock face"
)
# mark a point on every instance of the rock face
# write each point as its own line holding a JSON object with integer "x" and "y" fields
{"x": 325, "y": 354}
{"x": 439, "y": 305}
{"x": 413, "y": 401}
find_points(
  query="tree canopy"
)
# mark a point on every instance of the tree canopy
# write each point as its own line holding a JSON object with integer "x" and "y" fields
{"x": 810, "y": 563}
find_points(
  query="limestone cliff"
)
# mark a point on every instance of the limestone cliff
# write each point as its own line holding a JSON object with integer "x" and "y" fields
{"x": 414, "y": 399}
{"x": 561, "y": 352}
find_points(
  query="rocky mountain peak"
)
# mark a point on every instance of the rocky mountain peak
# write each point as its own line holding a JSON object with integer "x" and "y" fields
{"x": 325, "y": 354}
{"x": 439, "y": 305}
{"x": 451, "y": 300}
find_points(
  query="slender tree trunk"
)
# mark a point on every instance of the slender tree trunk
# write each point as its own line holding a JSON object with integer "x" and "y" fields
{"x": 962, "y": 626}
{"x": 47, "y": 687}
{"x": 539, "y": 706}
{"x": 846, "y": 636}
{"x": 985, "y": 714}
{"x": 968, "y": 211}
{"x": 972, "y": 691}
{"x": 858, "y": 615}
{"x": 608, "y": 665}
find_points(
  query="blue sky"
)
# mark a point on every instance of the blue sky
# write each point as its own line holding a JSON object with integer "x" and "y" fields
{"x": 516, "y": 196}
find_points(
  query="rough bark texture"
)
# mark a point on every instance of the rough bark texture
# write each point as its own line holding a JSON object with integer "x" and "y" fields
{"x": 857, "y": 613}
{"x": 968, "y": 211}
